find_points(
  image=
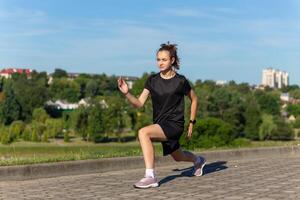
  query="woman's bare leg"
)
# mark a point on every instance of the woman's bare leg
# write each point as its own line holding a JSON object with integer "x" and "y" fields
{"x": 187, "y": 156}
{"x": 146, "y": 135}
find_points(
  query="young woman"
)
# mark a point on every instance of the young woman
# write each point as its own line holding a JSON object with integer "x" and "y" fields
{"x": 167, "y": 89}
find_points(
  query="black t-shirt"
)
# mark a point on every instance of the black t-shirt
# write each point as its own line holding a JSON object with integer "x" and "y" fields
{"x": 168, "y": 97}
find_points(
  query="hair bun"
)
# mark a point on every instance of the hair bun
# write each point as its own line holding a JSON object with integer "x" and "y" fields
{"x": 169, "y": 46}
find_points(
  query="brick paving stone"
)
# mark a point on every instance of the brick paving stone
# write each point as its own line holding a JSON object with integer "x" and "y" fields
{"x": 268, "y": 178}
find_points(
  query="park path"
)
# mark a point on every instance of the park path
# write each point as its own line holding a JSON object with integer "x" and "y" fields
{"x": 272, "y": 177}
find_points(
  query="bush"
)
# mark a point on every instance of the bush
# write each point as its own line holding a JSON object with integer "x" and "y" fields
{"x": 240, "y": 142}
{"x": 35, "y": 137}
{"x": 27, "y": 133}
{"x": 54, "y": 127}
{"x": 45, "y": 137}
{"x": 16, "y": 129}
{"x": 37, "y": 131}
{"x": 40, "y": 115}
{"x": 5, "y": 137}
{"x": 66, "y": 136}
{"x": 210, "y": 132}
{"x": 283, "y": 131}
{"x": 296, "y": 124}
{"x": 293, "y": 109}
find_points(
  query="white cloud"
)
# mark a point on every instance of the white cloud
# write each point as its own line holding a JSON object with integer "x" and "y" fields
{"x": 22, "y": 15}
{"x": 185, "y": 12}
{"x": 215, "y": 13}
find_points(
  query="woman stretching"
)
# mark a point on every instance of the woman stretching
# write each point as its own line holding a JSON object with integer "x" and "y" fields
{"x": 167, "y": 89}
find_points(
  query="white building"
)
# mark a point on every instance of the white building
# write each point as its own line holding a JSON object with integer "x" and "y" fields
{"x": 285, "y": 97}
{"x": 130, "y": 80}
{"x": 64, "y": 105}
{"x": 275, "y": 78}
{"x": 221, "y": 82}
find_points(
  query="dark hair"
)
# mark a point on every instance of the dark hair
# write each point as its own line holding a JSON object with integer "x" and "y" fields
{"x": 172, "y": 49}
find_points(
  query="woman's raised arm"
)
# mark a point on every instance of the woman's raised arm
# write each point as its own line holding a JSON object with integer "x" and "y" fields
{"x": 136, "y": 102}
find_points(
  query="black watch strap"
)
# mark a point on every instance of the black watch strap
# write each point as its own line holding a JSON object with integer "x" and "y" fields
{"x": 193, "y": 121}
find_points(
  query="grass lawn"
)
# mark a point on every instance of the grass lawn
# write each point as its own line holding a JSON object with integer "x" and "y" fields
{"x": 29, "y": 152}
{"x": 255, "y": 144}
{"x": 19, "y": 153}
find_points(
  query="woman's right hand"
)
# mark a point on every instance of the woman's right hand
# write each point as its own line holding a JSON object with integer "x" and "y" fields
{"x": 122, "y": 85}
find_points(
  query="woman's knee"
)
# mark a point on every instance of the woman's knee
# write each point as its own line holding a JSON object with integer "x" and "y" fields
{"x": 142, "y": 133}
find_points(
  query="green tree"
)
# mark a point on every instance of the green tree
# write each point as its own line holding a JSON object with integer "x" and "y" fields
{"x": 253, "y": 119}
{"x": 40, "y": 115}
{"x": 82, "y": 80}
{"x": 31, "y": 92}
{"x": 243, "y": 88}
{"x": 297, "y": 123}
{"x": 139, "y": 84}
{"x": 65, "y": 89}
{"x": 283, "y": 131}
{"x": 95, "y": 123}
{"x": 220, "y": 100}
{"x": 92, "y": 88}
{"x": 289, "y": 88}
{"x": 267, "y": 127}
{"x": 114, "y": 115}
{"x": 59, "y": 73}
{"x": 268, "y": 103}
{"x": 293, "y": 109}
{"x": 80, "y": 121}
{"x": 295, "y": 93}
{"x": 10, "y": 109}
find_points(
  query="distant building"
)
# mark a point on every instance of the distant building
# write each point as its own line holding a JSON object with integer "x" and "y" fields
{"x": 73, "y": 75}
{"x": 295, "y": 101}
{"x": 64, "y": 105}
{"x": 275, "y": 78}
{"x": 221, "y": 82}
{"x": 285, "y": 97}
{"x": 7, "y": 72}
{"x": 291, "y": 119}
{"x": 130, "y": 80}
{"x": 259, "y": 87}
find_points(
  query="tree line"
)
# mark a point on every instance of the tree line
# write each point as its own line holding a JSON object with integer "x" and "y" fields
{"x": 226, "y": 114}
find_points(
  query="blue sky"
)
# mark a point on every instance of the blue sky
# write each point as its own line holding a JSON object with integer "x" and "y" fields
{"x": 217, "y": 39}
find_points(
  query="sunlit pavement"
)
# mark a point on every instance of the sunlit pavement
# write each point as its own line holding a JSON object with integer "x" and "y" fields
{"x": 245, "y": 178}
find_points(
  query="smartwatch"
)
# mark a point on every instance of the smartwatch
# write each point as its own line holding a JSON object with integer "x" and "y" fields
{"x": 193, "y": 121}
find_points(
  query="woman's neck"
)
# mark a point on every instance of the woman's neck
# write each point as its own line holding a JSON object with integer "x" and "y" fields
{"x": 168, "y": 73}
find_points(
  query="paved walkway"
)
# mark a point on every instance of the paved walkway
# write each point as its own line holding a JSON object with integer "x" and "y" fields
{"x": 252, "y": 178}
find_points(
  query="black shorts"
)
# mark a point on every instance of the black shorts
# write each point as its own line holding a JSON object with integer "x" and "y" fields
{"x": 173, "y": 133}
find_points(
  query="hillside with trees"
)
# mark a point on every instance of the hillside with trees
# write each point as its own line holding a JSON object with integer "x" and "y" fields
{"x": 227, "y": 114}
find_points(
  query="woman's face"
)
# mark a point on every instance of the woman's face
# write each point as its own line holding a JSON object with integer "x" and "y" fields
{"x": 164, "y": 61}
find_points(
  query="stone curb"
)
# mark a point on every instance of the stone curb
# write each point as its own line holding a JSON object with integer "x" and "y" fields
{"x": 45, "y": 170}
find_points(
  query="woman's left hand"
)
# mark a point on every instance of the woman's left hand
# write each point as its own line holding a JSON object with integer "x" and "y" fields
{"x": 190, "y": 131}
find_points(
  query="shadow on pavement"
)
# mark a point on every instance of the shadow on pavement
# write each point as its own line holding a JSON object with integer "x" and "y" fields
{"x": 188, "y": 172}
